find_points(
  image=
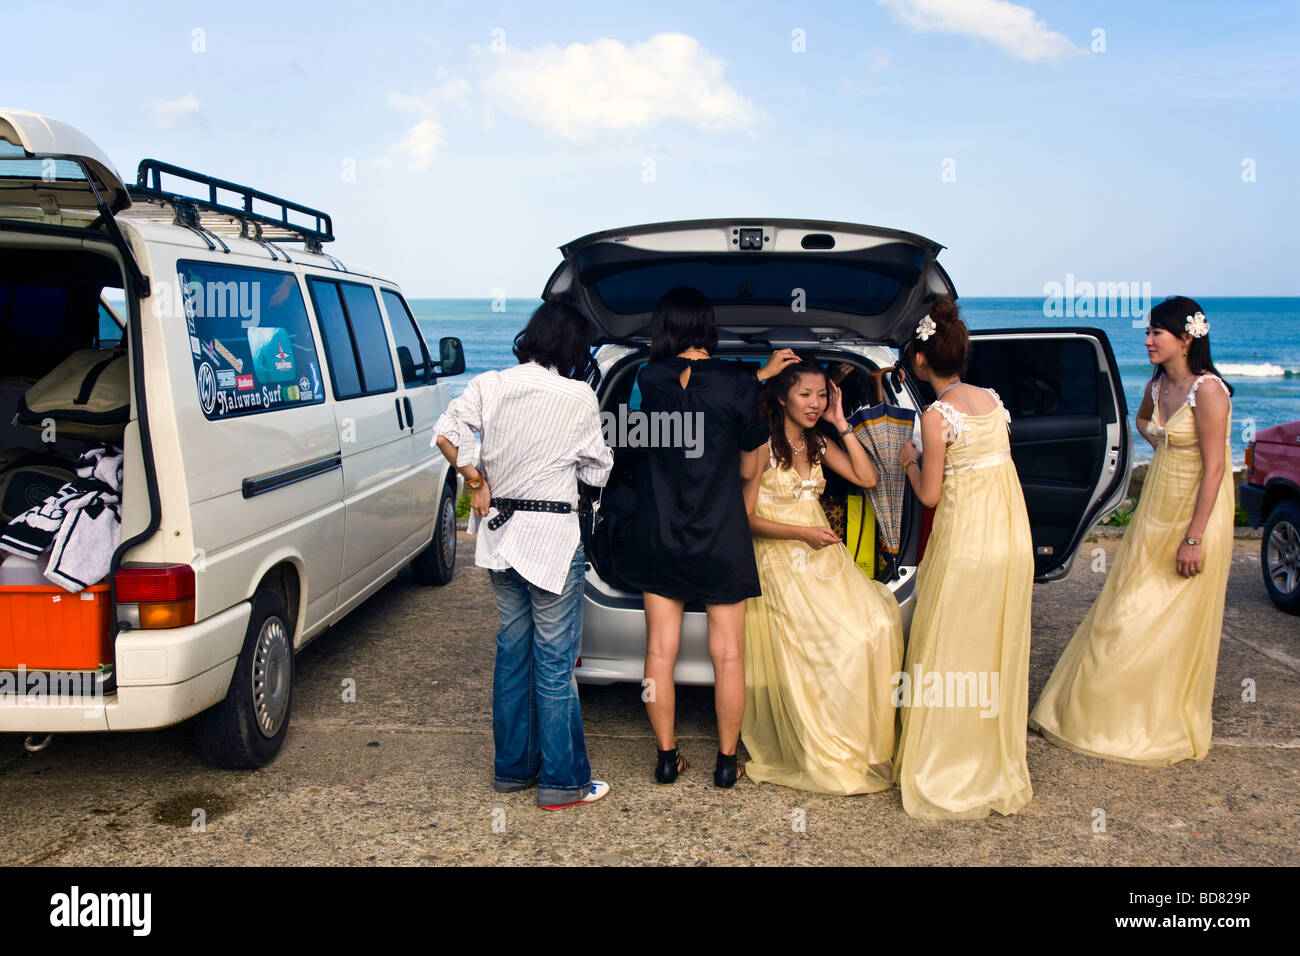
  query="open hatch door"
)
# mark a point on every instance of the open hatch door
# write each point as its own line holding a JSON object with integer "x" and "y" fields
{"x": 759, "y": 274}
{"x": 45, "y": 163}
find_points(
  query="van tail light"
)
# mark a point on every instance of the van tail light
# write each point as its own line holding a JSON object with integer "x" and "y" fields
{"x": 1250, "y": 460}
{"x": 156, "y": 597}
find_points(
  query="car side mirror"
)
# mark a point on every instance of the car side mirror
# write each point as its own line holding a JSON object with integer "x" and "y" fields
{"x": 451, "y": 356}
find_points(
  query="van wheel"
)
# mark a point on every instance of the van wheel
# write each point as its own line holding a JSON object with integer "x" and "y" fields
{"x": 245, "y": 730}
{"x": 1280, "y": 556}
{"x": 437, "y": 563}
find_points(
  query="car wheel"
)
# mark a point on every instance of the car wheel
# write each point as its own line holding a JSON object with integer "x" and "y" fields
{"x": 1280, "y": 556}
{"x": 437, "y": 563}
{"x": 245, "y": 730}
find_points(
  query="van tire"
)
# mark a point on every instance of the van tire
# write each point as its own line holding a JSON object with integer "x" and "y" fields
{"x": 230, "y": 734}
{"x": 1284, "y": 522}
{"x": 437, "y": 563}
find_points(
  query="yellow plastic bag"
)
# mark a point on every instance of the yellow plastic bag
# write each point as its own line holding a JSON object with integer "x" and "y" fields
{"x": 860, "y": 536}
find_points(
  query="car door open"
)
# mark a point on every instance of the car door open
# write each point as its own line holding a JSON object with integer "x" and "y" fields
{"x": 1070, "y": 438}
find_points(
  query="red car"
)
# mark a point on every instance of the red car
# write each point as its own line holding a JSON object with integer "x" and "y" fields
{"x": 1270, "y": 494}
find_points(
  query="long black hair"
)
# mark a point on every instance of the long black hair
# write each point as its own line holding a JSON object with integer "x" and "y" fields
{"x": 1172, "y": 315}
{"x": 682, "y": 319}
{"x": 772, "y": 412}
{"x": 556, "y": 335}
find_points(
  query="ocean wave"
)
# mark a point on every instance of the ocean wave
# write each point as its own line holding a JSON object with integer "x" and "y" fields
{"x": 1260, "y": 370}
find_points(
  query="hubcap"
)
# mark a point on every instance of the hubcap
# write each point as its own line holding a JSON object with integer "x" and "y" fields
{"x": 448, "y": 519}
{"x": 1283, "y": 557}
{"x": 271, "y": 668}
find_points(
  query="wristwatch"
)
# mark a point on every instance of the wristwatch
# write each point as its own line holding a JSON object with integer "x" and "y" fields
{"x": 474, "y": 484}
{"x": 1192, "y": 541}
{"x": 847, "y": 430}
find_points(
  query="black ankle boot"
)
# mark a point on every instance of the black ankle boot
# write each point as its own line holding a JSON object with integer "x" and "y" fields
{"x": 725, "y": 773}
{"x": 669, "y": 766}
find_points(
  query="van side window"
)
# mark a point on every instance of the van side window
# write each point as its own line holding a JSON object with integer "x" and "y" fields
{"x": 250, "y": 339}
{"x": 412, "y": 354}
{"x": 355, "y": 341}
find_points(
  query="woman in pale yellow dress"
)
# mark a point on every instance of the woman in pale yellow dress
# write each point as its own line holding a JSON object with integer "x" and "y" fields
{"x": 823, "y": 642}
{"x": 965, "y": 693}
{"x": 1136, "y": 681}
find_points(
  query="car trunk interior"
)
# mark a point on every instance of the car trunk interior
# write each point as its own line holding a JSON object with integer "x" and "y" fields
{"x": 50, "y": 310}
{"x": 608, "y": 546}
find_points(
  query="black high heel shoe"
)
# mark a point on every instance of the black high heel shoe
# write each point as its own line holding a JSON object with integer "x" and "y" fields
{"x": 669, "y": 766}
{"x": 726, "y": 773}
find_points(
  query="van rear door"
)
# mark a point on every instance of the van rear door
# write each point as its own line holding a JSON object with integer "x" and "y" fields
{"x": 44, "y": 166}
{"x": 1069, "y": 430}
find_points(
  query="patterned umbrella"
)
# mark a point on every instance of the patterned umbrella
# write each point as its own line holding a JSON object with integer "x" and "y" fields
{"x": 883, "y": 429}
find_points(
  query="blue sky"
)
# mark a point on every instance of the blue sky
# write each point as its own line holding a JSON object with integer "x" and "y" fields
{"x": 458, "y": 146}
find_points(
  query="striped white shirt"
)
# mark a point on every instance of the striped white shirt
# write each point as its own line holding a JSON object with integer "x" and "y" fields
{"x": 539, "y": 436}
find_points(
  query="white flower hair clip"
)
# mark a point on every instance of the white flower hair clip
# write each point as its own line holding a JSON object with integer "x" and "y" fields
{"x": 926, "y": 328}
{"x": 1197, "y": 327}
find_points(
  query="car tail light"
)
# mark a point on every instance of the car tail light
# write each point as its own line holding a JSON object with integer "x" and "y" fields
{"x": 156, "y": 597}
{"x": 1250, "y": 460}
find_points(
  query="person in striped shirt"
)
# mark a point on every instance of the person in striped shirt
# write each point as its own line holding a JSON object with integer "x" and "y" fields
{"x": 539, "y": 434}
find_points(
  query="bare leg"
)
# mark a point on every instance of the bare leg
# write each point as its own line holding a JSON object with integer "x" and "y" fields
{"x": 663, "y": 624}
{"x": 727, "y": 650}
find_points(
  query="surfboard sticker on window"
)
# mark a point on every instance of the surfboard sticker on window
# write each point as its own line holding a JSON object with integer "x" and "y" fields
{"x": 255, "y": 351}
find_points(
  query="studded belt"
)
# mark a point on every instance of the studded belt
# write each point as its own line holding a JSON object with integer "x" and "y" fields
{"x": 508, "y": 506}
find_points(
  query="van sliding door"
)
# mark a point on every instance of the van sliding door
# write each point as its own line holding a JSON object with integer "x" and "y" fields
{"x": 373, "y": 437}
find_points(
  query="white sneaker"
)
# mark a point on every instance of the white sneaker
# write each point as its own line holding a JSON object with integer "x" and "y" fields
{"x": 596, "y": 790}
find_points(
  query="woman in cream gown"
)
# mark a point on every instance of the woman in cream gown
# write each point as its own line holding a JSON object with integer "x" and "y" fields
{"x": 823, "y": 642}
{"x": 965, "y": 696}
{"x": 1136, "y": 681}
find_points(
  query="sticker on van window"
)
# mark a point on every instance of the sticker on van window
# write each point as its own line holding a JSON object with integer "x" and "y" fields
{"x": 251, "y": 338}
{"x": 207, "y": 388}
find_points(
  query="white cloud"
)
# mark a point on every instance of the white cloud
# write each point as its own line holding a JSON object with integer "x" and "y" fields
{"x": 576, "y": 91}
{"x": 420, "y": 143}
{"x": 878, "y": 59}
{"x": 1004, "y": 24}
{"x": 168, "y": 112}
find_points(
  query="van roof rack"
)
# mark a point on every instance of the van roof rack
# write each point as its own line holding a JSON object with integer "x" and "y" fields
{"x": 271, "y": 223}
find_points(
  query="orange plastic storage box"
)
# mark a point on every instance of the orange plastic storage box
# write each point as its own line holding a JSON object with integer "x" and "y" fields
{"x": 43, "y": 627}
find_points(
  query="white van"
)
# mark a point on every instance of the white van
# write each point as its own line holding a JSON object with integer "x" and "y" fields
{"x": 277, "y": 467}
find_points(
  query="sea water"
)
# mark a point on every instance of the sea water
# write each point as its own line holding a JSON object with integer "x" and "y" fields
{"x": 1255, "y": 344}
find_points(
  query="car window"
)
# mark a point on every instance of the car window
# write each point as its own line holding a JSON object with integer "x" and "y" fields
{"x": 371, "y": 340}
{"x": 250, "y": 339}
{"x": 412, "y": 354}
{"x": 1040, "y": 378}
{"x": 344, "y": 373}
{"x": 361, "y": 362}
{"x": 763, "y": 280}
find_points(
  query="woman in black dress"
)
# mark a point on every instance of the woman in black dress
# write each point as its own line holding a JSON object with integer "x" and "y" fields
{"x": 692, "y": 530}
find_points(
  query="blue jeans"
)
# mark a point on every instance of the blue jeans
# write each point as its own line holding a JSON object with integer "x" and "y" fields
{"x": 536, "y": 718}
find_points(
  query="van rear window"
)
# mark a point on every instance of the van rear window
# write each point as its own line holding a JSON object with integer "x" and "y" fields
{"x": 250, "y": 339}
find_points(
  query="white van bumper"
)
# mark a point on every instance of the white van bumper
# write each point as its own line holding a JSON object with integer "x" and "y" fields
{"x": 163, "y": 677}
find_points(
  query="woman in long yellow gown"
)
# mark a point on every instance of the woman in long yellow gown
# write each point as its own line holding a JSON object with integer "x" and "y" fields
{"x": 1136, "y": 681}
{"x": 823, "y": 642}
{"x": 965, "y": 691}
